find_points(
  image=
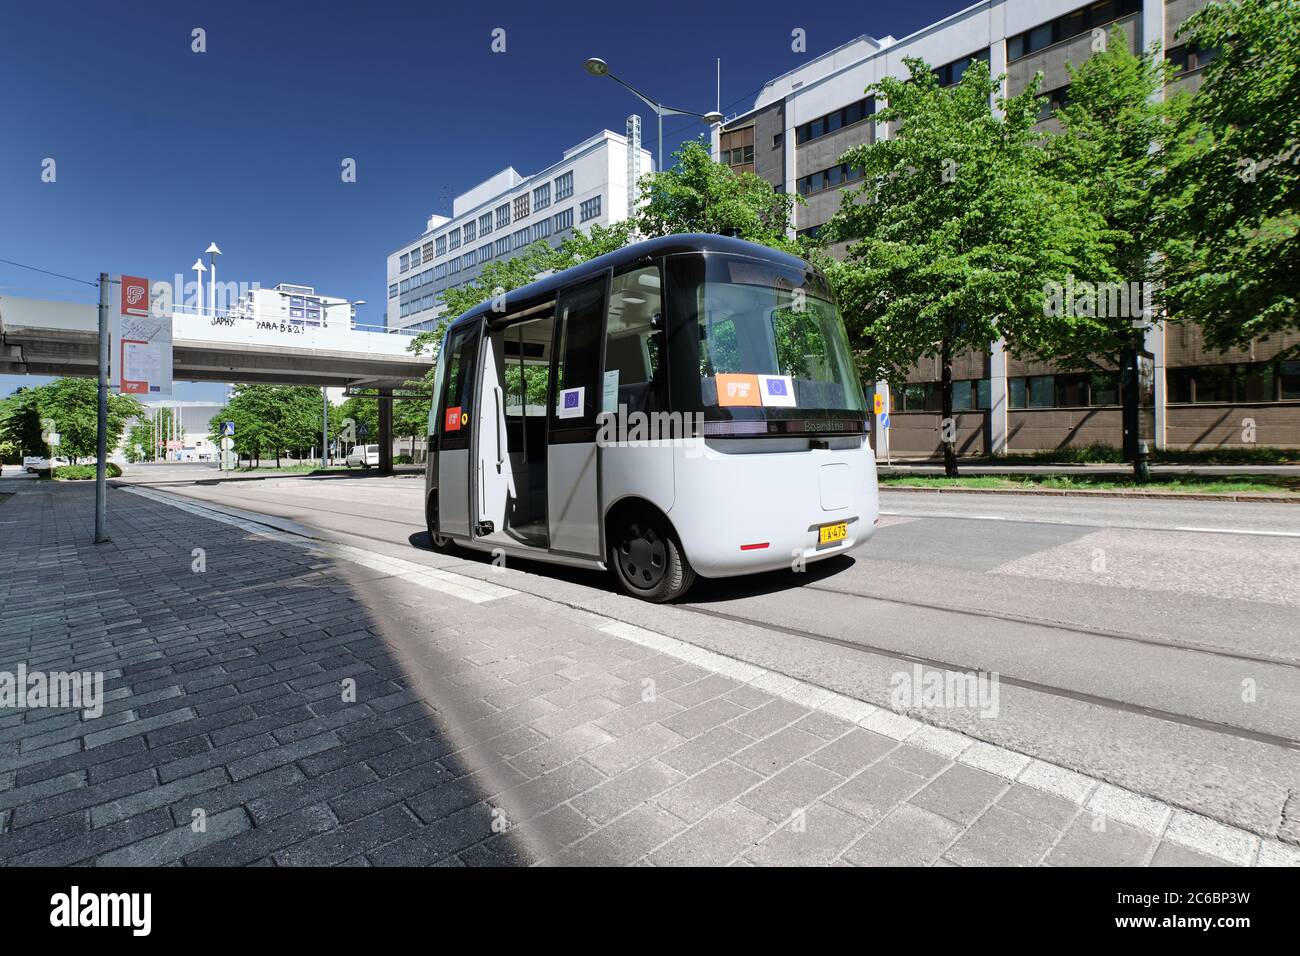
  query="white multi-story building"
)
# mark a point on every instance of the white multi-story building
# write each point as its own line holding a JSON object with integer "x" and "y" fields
{"x": 295, "y": 305}
{"x": 590, "y": 185}
{"x": 795, "y": 137}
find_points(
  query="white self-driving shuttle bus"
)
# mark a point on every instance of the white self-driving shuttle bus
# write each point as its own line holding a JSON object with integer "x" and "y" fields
{"x": 686, "y": 405}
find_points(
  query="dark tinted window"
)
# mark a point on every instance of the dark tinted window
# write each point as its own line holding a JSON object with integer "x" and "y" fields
{"x": 579, "y": 328}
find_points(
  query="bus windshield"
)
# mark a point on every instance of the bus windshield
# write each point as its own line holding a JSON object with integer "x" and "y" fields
{"x": 771, "y": 343}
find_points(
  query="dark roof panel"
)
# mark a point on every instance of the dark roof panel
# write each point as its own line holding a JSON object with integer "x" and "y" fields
{"x": 647, "y": 249}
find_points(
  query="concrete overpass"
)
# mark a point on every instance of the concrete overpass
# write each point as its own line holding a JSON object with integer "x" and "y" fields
{"x": 43, "y": 337}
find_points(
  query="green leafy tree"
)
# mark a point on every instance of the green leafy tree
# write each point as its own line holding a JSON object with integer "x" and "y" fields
{"x": 271, "y": 419}
{"x": 1115, "y": 141}
{"x": 71, "y": 405}
{"x": 697, "y": 194}
{"x": 20, "y": 423}
{"x": 1235, "y": 268}
{"x": 956, "y": 229}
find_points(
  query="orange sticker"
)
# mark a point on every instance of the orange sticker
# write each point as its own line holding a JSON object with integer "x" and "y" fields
{"x": 738, "y": 390}
{"x": 453, "y": 419}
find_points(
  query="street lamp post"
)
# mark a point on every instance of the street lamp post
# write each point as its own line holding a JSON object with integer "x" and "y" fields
{"x": 598, "y": 67}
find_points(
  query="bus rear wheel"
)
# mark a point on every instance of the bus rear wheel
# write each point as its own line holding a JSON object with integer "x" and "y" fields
{"x": 647, "y": 559}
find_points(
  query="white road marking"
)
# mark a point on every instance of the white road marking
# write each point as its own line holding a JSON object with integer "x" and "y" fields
{"x": 1271, "y": 534}
{"x": 1084, "y": 524}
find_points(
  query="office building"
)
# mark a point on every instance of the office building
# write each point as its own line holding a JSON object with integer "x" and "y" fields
{"x": 503, "y": 214}
{"x": 803, "y": 121}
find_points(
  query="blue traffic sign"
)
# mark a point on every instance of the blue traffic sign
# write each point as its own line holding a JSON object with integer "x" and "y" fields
{"x": 884, "y": 421}
{"x": 228, "y": 428}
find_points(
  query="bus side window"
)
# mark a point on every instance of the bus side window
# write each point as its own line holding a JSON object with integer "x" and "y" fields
{"x": 634, "y": 344}
{"x": 579, "y": 326}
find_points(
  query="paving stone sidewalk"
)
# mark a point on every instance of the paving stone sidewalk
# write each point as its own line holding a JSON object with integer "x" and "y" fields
{"x": 272, "y": 703}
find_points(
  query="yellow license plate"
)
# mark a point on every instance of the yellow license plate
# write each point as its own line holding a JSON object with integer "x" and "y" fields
{"x": 829, "y": 534}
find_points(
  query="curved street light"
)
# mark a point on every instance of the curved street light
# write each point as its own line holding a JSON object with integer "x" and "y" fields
{"x": 598, "y": 67}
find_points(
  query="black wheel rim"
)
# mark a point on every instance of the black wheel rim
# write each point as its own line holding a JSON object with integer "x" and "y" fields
{"x": 642, "y": 557}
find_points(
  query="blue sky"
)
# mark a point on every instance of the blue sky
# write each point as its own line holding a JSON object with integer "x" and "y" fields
{"x": 160, "y": 150}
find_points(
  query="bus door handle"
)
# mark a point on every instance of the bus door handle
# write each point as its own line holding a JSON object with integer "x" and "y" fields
{"x": 496, "y": 392}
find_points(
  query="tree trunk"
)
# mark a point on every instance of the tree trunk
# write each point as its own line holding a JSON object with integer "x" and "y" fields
{"x": 947, "y": 424}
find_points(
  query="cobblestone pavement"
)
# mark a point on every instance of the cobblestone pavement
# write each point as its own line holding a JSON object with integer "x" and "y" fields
{"x": 273, "y": 700}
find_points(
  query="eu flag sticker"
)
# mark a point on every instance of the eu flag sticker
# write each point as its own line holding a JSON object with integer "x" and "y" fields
{"x": 777, "y": 390}
{"x": 571, "y": 403}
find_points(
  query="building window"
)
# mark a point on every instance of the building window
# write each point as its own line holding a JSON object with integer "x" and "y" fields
{"x": 542, "y": 196}
{"x": 503, "y": 215}
{"x": 777, "y": 139}
{"x": 428, "y": 252}
{"x": 415, "y": 257}
{"x": 485, "y": 224}
{"x": 1069, "y": 25}
{"x": 542, "y": 229}
{"x": 1190, "y": 57}
{"x": 469, "y": 232}
{"x": 832, "y": 178}
{"x": 405, "y": 285}
{"x": 467, "y": 260}
{"x": 440, "y": 244}
{"x": 521, "y": 207}
{"x": 503, "y": 246}
{"x": 485, "y": 252}
{"x": 738, "y": 156}
{"x": 1053, "y": 100}
{"x": 1240, "y": 382}
{"x": 838, "y": 119}
{"x": 440, "y": 271}
{"x": 951, "y": 73}
{"x": 590, "y": 208}
{"x": 405, "y": 263}
{"x": 520, "y": 238}
{"x": 1065, "y": 390}
{"x": 971, "y": 394}
{"x": 392, "y": 291}
{"x": 564, "y": 186}
{"x": 564, "y": 220}
{"x": 453, "y": 239}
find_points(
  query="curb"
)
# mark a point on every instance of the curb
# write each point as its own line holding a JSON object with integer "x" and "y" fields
{"x": 1065, "y": 493}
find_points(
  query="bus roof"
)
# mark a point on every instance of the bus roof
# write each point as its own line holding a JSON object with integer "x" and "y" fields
{"x": 646, "y": 249}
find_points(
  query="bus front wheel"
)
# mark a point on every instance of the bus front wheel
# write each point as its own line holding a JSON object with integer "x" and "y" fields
{"x": 648, "y": 560}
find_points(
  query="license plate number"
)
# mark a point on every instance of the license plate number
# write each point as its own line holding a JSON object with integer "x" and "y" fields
{"x": 829, "y": 534}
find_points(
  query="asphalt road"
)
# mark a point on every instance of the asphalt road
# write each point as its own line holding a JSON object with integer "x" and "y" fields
{"x": 1152, "y": 643}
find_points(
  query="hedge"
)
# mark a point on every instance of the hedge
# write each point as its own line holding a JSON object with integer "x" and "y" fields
{"x": 85, "y": 472}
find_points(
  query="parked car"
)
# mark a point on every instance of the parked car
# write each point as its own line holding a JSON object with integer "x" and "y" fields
{"x": 363, "y": 455}
{"x": 33, "y": 465}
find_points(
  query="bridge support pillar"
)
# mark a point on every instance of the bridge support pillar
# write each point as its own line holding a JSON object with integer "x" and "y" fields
{"x": 385, "y": 431}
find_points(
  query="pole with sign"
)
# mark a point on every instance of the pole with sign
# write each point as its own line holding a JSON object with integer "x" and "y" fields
{"x": 141, "y": 342}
